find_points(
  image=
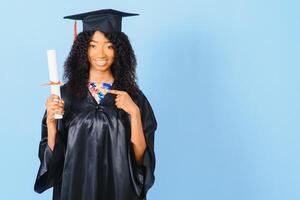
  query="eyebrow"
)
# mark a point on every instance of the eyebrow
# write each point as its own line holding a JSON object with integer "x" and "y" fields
{"x": 98, "y": 41}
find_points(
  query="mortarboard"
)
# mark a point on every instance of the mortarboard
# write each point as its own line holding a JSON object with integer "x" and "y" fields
{"x": 106, "y": 20}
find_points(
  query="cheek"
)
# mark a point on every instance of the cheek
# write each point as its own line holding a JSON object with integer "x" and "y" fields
{"x": 90, "y": 52}
{"x": 112, "y": 55}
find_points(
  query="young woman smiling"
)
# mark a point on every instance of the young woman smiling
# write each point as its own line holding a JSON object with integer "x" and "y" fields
{"x": 103, "y": 148}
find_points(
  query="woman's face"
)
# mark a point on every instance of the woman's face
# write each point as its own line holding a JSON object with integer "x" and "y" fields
{"x": 100, "y": 52}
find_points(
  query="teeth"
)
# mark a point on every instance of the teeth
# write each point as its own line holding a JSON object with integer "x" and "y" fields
{"x": 100, "y": 62}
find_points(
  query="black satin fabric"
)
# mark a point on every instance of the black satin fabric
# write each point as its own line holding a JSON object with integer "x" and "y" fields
{"x": 93, "y": 157}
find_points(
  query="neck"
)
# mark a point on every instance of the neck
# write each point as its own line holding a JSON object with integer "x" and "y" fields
{"x": 100, "y": 77}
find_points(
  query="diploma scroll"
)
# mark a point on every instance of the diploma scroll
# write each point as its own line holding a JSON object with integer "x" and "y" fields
{"x": 53, "y": 76}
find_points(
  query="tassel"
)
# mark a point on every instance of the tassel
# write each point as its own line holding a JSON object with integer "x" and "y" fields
{"x": 75, "y": 30}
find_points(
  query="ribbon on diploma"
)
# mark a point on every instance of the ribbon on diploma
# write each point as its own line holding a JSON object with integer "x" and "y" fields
{"x": 52, "y": 83}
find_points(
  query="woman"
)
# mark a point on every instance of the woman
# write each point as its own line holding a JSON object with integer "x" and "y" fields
{"x": 103, "y": 146}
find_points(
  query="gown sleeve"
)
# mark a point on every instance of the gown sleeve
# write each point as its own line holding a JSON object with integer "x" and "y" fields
{"x": 51, "y": 162}
{"x": 143, "y": 175}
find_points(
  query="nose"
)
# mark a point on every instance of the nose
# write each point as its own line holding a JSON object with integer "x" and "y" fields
{"x": 101, "y": 52}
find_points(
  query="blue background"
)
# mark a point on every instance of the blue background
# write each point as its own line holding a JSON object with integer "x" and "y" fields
{"x": 222, "y": 78}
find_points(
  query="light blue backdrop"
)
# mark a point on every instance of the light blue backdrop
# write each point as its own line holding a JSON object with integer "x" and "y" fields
{"x": 222, "y": 77}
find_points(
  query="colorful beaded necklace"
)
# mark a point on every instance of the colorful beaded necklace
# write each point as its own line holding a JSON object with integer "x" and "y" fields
{"x": 99, "y": 90}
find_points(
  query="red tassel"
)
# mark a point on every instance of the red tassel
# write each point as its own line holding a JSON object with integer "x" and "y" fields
{"x": 75, "y": 30}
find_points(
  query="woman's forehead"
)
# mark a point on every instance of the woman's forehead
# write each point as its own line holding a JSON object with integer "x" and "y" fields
{"x": 99, "y": 37}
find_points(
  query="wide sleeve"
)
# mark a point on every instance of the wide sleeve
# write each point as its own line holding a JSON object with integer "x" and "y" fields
{"x": 143, "y": 175}
{"x": 51, "y": 162}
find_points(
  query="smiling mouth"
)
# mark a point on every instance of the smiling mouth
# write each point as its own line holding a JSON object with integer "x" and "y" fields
{"x": 101, "y": 62}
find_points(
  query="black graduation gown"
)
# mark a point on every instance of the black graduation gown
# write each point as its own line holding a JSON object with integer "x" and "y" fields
{"x": 93, "y": 157}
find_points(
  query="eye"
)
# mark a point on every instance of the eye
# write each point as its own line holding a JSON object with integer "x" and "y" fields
{"x": 109, "y": 46}
{"x": 92, "y": 46}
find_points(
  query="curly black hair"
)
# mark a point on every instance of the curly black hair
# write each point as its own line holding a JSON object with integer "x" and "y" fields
{"x": 77, "y": 66}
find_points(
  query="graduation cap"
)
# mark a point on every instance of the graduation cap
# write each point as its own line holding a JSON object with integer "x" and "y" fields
{"x": 106, "y": 20}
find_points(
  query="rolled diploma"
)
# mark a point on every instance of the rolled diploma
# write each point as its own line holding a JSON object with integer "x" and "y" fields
{"x": 53, "y": 76}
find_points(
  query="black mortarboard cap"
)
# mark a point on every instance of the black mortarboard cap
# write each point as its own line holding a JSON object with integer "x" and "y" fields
{"x": 106, "y": 20}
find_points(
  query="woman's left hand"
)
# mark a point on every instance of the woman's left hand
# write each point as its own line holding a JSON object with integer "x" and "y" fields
{"x": 124, "y": 101}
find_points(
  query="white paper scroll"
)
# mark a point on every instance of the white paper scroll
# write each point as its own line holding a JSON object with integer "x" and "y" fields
{"x": 53, "y": 76}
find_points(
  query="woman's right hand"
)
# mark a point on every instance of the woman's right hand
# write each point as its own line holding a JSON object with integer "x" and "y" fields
{"x": 54, "y": 105}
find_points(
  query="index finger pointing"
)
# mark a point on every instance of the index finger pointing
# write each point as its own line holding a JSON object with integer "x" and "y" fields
{"x": 114, "y": 91}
